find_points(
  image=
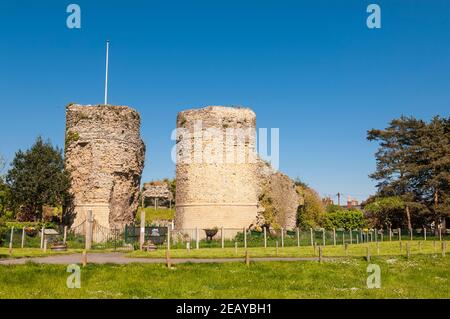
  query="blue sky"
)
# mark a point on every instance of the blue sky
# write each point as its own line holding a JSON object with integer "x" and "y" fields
{"x": 311, "y": 68}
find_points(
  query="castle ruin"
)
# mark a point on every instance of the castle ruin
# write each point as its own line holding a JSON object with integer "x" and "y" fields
{"x": 104, "y": 155}
{"x": 216, "y": 172}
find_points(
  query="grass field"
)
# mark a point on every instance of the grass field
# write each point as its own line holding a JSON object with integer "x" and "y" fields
{"x": 417, "y": 277}
{"x": 385, "y": 249}
{"x": 152, "y": 214}
{"x": 33, "y": 252}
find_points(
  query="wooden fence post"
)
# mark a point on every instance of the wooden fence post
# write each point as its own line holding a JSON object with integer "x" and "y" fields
{"x": 298, "y": 236}
{"x": 247, "y": 258}
{"x": 23, "y": 238}
{"x": 400, "y": 234}
{"x": 357, "y": 237}
{"x": 334, "y": 236}
{"x": 245, "y": 237}
{"x": 425, "y": 234}
{"x": 168, "y": 237}
{"x": 320, "y": 254}
{"x": 11, "y": 239}
{"x": 265, "y": 237}
{"x": 408, "y": 250}
{"x": 324, "y": 239}
{"x": 65, "y": 235}
{"x": 84, "y": 258}
{"x": 440, "y": 233}
{"x": 89, "y": 229}
{"x": 142, "y": 234}
{"x": 222, "y": 235}
{"x": 312, "y": 237}
{"x": 168, "y": 261}
{"x": 282, "y": 237}
{"x": 197, "y": 238}
{"x": 42, "y": 237}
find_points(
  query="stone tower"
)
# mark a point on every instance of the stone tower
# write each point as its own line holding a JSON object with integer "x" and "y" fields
{"x": 104, "y": 154}
{"x": 216, "y": 168}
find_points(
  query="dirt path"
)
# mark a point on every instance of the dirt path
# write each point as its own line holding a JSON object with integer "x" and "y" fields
{"x": 121, "y": 259}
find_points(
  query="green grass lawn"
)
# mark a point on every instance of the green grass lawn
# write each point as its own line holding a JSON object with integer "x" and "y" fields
{"x": 417, "y": 277}
{"x": 33, "y": 252}
{"x": 386, "y": 249}
{"x": 152, "y": 214}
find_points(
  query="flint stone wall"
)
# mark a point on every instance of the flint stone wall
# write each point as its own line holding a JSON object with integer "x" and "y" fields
{"x": 213, "y": 192}
{"x": 285, "y": 200}
{"x": 104, "y": 155}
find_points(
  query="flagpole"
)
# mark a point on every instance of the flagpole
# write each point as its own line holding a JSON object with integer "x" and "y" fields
{"x": 107, "y": 67}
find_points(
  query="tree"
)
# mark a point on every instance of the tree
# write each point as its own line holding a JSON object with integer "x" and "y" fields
{"x": 397, "y": 160}
{"x": 38, "y": 178}
{"x": 346, "y": 219}
{"x": 413, "y": 162}
{"x": 311, "y": 212}
{"x": 434, "y": 168}
{"x": 4, "y": 190}
{"x": 385, "y": 212}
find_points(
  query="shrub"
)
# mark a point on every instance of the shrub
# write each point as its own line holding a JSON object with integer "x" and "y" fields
{"x": 311, "y": 212}
{"x": 345, "y": 219}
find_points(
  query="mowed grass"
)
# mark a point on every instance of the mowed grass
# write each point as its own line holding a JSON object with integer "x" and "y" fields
{"x": 381, "y": 249}
{"x": 417, "y": 277}
{"x": 32, "y": 252}
{"x": 152, "y": 214}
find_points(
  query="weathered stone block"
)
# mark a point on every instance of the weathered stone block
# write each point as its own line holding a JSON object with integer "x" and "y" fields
{"x": 104, "y": 154}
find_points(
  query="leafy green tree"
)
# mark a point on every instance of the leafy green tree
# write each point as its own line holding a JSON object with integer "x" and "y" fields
{"x": 311, "y": 211}
{"x": 385, "y": 212}
{"x": 37, "y": 178}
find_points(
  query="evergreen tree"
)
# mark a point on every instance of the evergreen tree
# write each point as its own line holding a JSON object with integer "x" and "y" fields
{"x": 413, "y": 162}
{"x": 397, "y": 158}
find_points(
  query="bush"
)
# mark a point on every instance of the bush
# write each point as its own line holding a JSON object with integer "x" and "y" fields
{"x": 37, "y": 225}
{"x": 311, "y": 212}
{"x": 345, "y": 219}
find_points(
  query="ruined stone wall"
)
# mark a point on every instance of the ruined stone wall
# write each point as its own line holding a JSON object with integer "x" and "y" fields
{"x": 104, "y": 155}
{"x": 278, "y": 198}
{"x": 213, "y": 191}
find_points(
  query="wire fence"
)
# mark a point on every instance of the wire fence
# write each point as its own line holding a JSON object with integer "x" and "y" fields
{"x": 129, "y": 237}
{"x": 197, "y": 238}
